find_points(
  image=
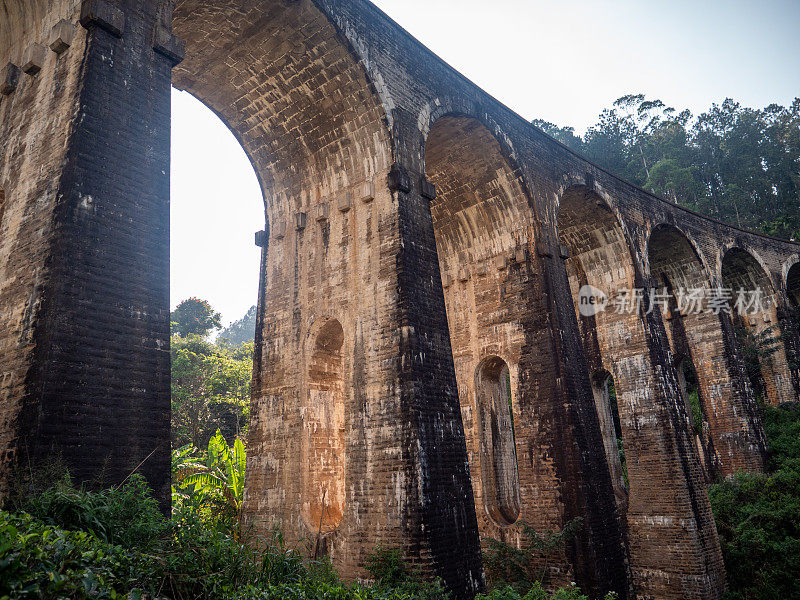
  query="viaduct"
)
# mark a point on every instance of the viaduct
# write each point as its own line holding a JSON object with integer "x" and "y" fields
{"x": 424, "y": 376}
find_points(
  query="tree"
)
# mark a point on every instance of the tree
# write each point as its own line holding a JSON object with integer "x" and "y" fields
{"x": 194, "y": 317}
{"x": 736, "y": 164}
{"x": 241, "y": 331}
{"x": 214, "y": 481}
{"x": 210, "y": 389}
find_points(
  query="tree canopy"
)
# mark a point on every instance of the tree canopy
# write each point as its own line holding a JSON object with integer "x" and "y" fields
{"x": 194, "y": 317}
{"x": 240, "y": 332}
{"x": 736, "y": 164}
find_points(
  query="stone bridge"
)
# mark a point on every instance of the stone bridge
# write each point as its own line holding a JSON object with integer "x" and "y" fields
{"x": 424, "y": 376}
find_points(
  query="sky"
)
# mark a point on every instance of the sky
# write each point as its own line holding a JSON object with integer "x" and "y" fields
{"x": 559, "y": 60}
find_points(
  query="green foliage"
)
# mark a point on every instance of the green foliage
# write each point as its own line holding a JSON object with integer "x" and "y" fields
{"x": 125, "y": 515}
{"x": 522, "y": 568}
{"x": 211, "y": 483}
{"x": 756, "y": 349}
{"x": 42, "y": 562}
{"x": 240, "y": 332}
{"x": 614, "y": 403}
{"x": 194, "y": 317}
{"x": 83, "y": 545}
{"x": 697, "y": 412}
{"x": 758, "y": 516}
{"x": 537, "y": 592}
{"x": 782, "y": 426}
{"x": 733, "y": 163}
{"x": 210, "y": 389}
{"x": 394, "y": 579}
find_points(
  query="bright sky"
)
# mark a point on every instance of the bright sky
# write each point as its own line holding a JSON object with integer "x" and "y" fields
{"x": 559, "y": 60}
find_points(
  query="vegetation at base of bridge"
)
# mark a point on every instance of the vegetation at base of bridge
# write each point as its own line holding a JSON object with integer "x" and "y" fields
{"x": 758, "y": 516}
{"x": 61, "y": 541}
{"x": 65, "y": 542}
{"x": 736, "y": 164}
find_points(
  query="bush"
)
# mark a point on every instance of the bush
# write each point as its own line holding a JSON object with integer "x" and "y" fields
{"x": 126, "y": 515}
{"x": 114, "y": 544}
{"x": 42, "y": 562}
{"x": 394, "y": 578}
{"x": 537, "y": 592}
{"x": 523, "y": 569}
{"x": 758, "y": 516}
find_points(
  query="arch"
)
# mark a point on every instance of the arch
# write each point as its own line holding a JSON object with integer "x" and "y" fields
{"x": 730, "y": 441}
{"x": 793, "y": 285}
{"x": 756, "y": 326}
{"x": 483, "y": 227}
{"x": 324, "y": 427}
{"x": 499, "y": 471}
{"x": 589, "y": 229}
{"x": 312, "y": 124}
{"x": 479, "y": 188}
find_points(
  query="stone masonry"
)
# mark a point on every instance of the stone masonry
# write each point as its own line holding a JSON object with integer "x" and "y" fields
{"x": 424, "y": 376}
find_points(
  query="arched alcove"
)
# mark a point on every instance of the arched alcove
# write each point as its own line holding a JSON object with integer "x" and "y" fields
{"x": 323, "y": 434}
{"x": 689, "y": 383}
{"x": 756, "y": 327}
{"x": 499, "y": 471}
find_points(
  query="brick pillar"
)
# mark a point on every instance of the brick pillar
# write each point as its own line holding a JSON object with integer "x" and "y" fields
{"x": 675, "y": 551}
{"x": 427, "y": 383}
{"x": 369, "y": 262}
{"x": 99, "y": 391}
{"x": 600, "y": 556}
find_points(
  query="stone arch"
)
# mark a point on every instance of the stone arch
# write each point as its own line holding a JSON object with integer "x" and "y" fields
{"x": 793, "y": 285}
{"x": 757, "y": 327}
{"x": 498, "y": 461}
{"x": 286, "y": 81}
{"x": 312, "y": 123}
{"x": 323, "y": 434}
{"x": 483, "y": 228}
{"x": 727, "y": 437}
{"x": 665, "y": 483}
